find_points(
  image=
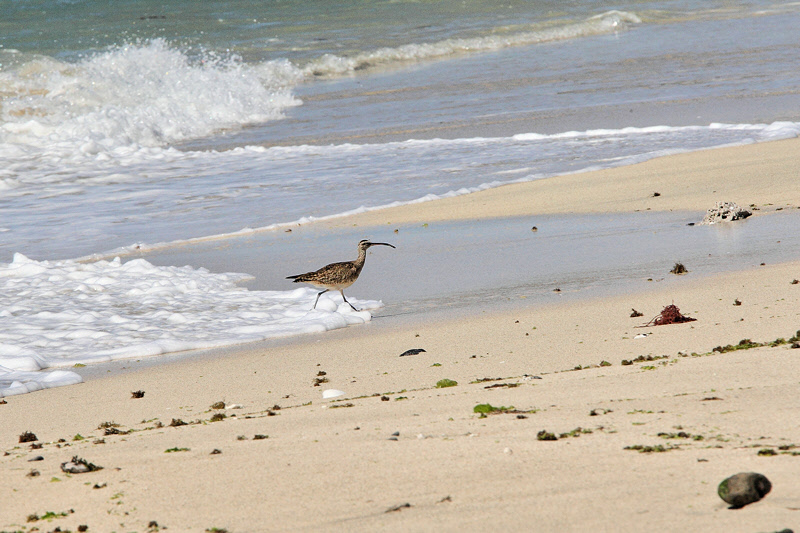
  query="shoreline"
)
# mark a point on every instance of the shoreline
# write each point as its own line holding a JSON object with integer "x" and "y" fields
{"x": 691, "y": 181}
{"x": 395, "y": 327}
{"x": 582, "y": 192}
{"x": 290, "y": 460}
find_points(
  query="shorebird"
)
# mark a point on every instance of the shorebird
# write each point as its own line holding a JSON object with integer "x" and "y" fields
{"x": 338, "y": 276}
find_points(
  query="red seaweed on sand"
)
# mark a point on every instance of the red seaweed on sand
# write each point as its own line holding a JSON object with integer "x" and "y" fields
{"x": 669, "y": 315}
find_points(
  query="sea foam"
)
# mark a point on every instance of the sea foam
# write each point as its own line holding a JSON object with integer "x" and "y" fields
{"x": 62, "y": 313}
{"x": 135, "y": 95}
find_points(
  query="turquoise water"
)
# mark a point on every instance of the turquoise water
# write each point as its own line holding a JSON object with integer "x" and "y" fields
{"x": 273, "y": 29}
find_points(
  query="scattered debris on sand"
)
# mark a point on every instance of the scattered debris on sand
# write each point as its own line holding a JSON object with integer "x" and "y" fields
{"x": 724, "y": 212}
{"x": 669, "y": 315}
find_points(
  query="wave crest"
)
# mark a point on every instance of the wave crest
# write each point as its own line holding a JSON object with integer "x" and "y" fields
{"x": 147, "y": 94}
{"x": 333, "y": 65}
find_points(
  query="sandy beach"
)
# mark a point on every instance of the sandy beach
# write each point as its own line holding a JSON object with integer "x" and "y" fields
{"x": 639, "y": 445}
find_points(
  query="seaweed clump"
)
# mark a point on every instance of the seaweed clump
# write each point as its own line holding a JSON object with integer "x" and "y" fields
{"x": 546, "y": 435}
{"x": 27, "y": 436}
{"x": 669, "y": 315}
{"x": 678, "y": 269}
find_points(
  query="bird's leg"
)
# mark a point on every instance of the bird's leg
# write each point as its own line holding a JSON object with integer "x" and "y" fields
{"x": 348, "y": 303}
{"x": 317, "y": 300}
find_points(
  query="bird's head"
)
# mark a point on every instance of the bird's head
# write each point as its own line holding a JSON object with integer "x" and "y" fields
{"x": 363, "y": 245}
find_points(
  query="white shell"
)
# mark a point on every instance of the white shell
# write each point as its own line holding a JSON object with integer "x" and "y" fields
{"x": 331, "y": 393}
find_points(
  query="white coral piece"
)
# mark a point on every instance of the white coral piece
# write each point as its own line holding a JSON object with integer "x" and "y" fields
{"x": 724, "y": 211}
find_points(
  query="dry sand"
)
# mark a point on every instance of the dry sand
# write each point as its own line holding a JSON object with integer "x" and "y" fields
{"x": 396, "y": 453}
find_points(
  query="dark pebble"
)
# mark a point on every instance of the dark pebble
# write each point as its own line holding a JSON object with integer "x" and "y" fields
{"x": 413, "y": 351}
{"x": 37, "y": 458}
{"x": 744, "y": 488}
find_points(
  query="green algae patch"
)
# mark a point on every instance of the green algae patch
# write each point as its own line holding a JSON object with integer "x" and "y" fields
{"x": 487, "y": 408}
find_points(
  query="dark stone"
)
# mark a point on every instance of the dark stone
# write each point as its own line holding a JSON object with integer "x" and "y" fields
{"x": 413, "y": 351}
{"x": 744, "y": 488}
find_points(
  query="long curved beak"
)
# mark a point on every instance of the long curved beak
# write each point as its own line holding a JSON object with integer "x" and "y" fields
{"x": 381, "y": 244}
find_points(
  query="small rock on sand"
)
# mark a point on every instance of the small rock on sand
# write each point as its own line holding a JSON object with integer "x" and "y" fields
{"x": 744, "y": 488}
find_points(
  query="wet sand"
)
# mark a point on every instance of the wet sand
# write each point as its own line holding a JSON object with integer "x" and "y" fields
{"x": 396, "y": 452}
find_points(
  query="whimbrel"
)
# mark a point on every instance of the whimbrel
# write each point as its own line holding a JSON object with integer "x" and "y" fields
{"x": 338, "y": 276}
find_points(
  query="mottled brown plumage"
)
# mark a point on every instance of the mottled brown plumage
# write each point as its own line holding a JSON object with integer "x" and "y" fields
{"x": 338, "y": 276}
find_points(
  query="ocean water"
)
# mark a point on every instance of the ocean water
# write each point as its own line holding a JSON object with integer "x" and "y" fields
{"x": 138, "y": 125}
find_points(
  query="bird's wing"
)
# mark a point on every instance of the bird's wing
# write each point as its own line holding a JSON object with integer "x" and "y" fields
{"x": 300, "y": 277}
